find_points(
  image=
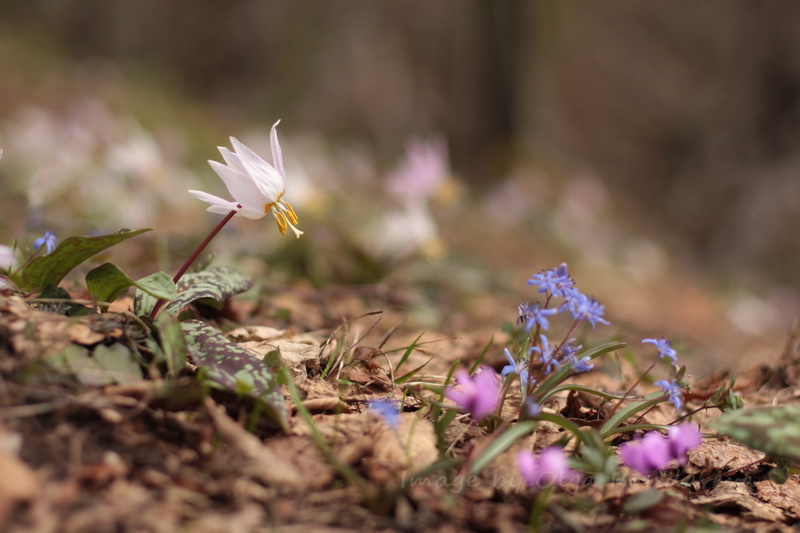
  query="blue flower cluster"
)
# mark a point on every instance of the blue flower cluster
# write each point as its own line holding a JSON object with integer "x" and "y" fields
{"x": 556, "y": 282}
{"x": 553, "y": 283}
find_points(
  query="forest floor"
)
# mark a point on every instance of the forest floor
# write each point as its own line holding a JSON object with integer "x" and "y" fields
{"x": 132, "y": 457}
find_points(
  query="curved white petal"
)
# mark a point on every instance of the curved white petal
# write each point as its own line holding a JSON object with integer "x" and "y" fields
{"x": 231, "y": 159}
{"x": 263, "y": 174}
{"x": 243, "y": 189}
{"x": 214, "y": 200}
{"x": 277, "y": 154}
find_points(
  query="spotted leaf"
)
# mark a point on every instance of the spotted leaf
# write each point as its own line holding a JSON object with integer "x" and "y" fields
{"x": 773, "y": 430}
{"x": 232, "y": 367}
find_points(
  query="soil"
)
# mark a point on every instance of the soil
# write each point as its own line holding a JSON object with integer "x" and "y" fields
{"x": 130, "y": 457}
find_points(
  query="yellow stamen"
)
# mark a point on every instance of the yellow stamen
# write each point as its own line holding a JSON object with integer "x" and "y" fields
{"x": 283, "y": 225}
{"x": 292, "y": 215}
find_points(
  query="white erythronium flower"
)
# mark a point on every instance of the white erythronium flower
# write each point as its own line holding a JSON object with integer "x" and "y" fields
{"x": 256, "y": 186}
{"x": 8, "y": 258}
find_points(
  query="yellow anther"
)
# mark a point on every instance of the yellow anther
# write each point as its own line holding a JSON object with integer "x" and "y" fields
{"x": 283, "y": 225}
{"x": 292, "y": 215}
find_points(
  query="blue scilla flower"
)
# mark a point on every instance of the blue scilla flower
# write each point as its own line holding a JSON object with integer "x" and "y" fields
{"x": 518, "y": 367}
{"x": 579, "y": 365}
{"x": 386, "y": 409}
{"x": 48, "y": 241}
{"x": 569, "y": 348}
{"x": 532, "y": 407}
{"x": 583, "y": 307}
{"x": 552, "y": 281}
{"x": 674, "y": 390}
{"x": 535, "y": 315}
{"x": 664, "y": 348}
{"x": 547, "y": 355}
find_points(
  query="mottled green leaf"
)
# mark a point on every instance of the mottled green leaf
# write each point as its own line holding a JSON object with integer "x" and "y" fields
{"x": 213, "y": 286}
{"x": 773, "y": 430}
{"x": 106, "y": 283}
{"x": 234, "y": 368}
{"x": 50, "y": 269}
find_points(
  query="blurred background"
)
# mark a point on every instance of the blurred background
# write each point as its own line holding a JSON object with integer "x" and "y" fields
{"x": 434, "y": 146}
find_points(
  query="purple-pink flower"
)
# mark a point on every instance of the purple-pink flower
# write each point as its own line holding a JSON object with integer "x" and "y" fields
{"x": 551, "y": 467}
{"x": 477, "y": 394}
{"x": 682, "y": 439}
{"x": 654, "y": 451}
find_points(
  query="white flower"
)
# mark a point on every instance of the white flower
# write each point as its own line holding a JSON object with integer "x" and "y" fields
{"x": 256, "y": 186}
{"x": 8, "y": 258}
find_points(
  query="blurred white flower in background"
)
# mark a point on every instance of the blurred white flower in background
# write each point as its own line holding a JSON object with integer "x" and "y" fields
{"x": 70, "y": 163}
{"x": 424, "y": 170}
{"x": 8, "y": 259}
{"x": 411, "y": 229}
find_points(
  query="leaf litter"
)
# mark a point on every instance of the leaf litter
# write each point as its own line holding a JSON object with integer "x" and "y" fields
{"x": 108, "y": 448}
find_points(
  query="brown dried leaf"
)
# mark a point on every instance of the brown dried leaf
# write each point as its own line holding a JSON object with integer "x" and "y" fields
{"x": 784, "y": 497}
{"x": 331, "y": 404}
{"x": 264, "y": 466}
{"x": 732, "y": 496}
{"x": 17, "y": 484}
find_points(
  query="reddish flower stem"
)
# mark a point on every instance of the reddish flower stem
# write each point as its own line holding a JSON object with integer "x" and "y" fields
{"x": 193, "y": 257}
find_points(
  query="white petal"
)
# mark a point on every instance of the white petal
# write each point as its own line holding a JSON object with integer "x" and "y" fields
{"x": 214, "y": 200}
{"x": 277, "y": 154}
{"x": 241, "y": 186}
{"x": 231, "y": 159}
{"x": 267, "y": 178}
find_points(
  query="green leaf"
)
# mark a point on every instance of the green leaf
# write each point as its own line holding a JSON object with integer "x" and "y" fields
{"x": 50, "y": 269}
{"x": 773, "y": 430}
{"x": 408, "y": 352}
{"x": 501, "y": 444}
{"x": 216, "y": 285}
{"x": 62, "y": 302}
{"x": 642, "y": 501}
{"x": 546, "y": 389}
{"x": 106, "y": 283}
{"x": 637, "y": 405}
{"x": 118, "y": 362}
{"x": 108, "y": 365}
{"x": 172, "y": 342}
{"x": 233, "y": 368}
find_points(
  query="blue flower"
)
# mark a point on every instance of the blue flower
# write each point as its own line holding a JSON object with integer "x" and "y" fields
{"x": 569, "y": 348}
{"x": 48, "y": 241}
{"x": 552, "y": 281}
{"x": 664, "y": 348}
{"x": 386, "y": 409}
{"x": 532, "y": 407}
{"x": 535, "y": 315}
{"x": 674, "y": 391}
{"x": 579, "y": 365}
{"x": 518, "y": 367}
{"x": 547, "y": 355}
{"x": 583, "y": 307}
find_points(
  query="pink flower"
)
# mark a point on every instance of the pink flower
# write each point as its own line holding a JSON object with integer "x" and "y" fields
{"x": 682, "y": 439}
{"x": 648, "y": 454}
{"x": 550, "y": 468}
{"x": 477, "y": 394}
{"x": 424, "y": 170}
{"x": 654, "y": 452}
